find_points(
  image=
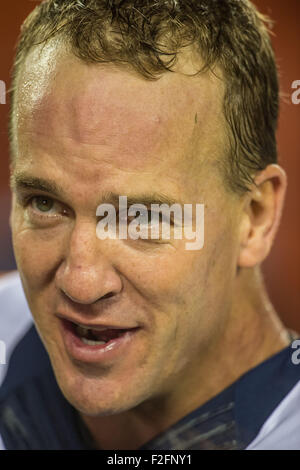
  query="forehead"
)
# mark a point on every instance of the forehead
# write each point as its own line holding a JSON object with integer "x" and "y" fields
{"x": 69, "y": 109}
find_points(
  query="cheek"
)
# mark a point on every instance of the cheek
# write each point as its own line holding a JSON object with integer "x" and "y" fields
{"x": 161, "y": 277}
{"x": 203, "y": 283}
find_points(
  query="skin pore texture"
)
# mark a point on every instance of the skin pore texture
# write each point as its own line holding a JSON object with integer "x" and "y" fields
{"x": 204, "y": 316}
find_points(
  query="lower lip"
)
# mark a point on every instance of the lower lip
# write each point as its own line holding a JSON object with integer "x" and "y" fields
{"x": 97, "y": 353}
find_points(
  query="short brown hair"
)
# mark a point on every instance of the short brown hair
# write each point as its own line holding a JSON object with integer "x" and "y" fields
{"x": 229, "y": 33}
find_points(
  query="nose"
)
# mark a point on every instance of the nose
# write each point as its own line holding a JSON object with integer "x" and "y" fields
{"x": 86, "y": 274}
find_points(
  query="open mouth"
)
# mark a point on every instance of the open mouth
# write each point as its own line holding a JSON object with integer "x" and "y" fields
{"x": 97, "y": 343}
{"x": 93, "y": 337}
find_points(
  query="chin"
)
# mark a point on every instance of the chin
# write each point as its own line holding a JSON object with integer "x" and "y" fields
{"x": 96, "y": 397}
{"x": 97, "y": 408}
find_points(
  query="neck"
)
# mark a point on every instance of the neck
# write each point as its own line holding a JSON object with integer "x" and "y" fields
{"x": 253, "y": 333}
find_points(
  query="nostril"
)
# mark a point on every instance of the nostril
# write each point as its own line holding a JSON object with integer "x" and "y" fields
{"x": 86, "y": 302}
{"x": 107, "y": 296}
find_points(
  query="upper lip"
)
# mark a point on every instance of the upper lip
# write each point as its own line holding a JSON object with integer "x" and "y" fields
{"x": 95, "y": 326}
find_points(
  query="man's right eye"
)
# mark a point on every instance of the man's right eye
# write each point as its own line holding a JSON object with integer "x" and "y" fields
{"x": 42, "y": 204}
{"x": 44, "y": 209}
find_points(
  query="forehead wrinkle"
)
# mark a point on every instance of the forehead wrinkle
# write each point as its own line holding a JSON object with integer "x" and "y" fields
{"x": 129, "y": 142}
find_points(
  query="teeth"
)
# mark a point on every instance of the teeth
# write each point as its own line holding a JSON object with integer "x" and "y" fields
{"x": 83, "y": 333}
{"x": 92, "y": 343}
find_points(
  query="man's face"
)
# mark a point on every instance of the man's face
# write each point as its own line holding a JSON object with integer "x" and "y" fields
{"x": 95, "y": 131}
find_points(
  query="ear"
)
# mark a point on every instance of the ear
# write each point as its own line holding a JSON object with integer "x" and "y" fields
{"x": 261, "y": 215}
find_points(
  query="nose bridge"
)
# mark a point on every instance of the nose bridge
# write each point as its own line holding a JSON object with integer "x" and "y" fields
{"x": 83, "y": 243}
{"x": 86, "y": 273}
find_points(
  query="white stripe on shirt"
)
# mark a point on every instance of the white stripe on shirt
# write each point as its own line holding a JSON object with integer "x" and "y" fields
{"x": 281, "y": 431}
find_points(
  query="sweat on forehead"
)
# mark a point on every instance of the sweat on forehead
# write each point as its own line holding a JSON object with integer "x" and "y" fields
{"x": 63, "y": 97}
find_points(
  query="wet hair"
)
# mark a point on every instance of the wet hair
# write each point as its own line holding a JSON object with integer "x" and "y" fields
{"x": 147, "y": 35}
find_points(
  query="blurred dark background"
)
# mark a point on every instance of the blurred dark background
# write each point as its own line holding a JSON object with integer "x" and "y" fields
{"x": 282, "y": 268}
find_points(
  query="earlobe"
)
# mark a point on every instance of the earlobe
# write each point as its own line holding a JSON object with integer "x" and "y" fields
{"x": 261, "y": 216}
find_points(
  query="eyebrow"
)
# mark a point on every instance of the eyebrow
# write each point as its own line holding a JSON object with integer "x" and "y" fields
{"x": 22, "y": 181}
{"x": 145, "y": 199}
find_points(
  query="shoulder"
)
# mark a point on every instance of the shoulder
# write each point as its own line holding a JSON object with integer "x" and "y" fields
{"x": 15, "y": 320}
{"x": 34, "y": 414}
{"x": 15, "y": 317}
{"x": 267, "y": 403}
